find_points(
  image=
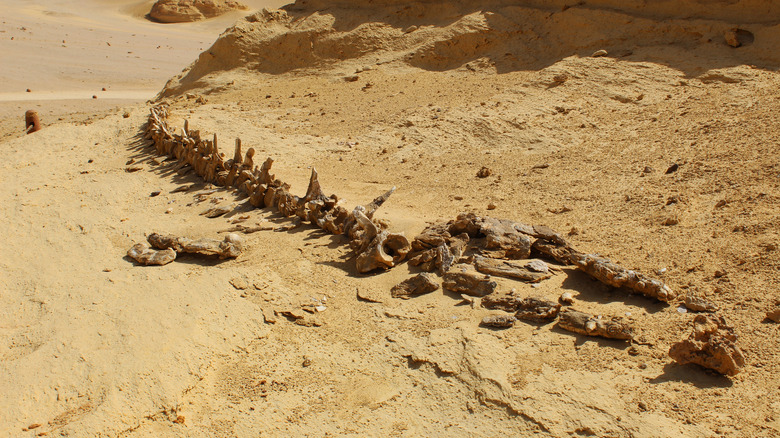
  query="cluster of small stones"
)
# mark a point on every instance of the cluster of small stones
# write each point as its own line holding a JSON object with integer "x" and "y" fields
{"x": 376, "y": 247}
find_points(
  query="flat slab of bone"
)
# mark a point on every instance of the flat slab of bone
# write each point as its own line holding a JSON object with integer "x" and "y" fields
{"x": 230, "y": 247}
{"x": 498, "y": 321}
{"x": 711, "y": 345}
{"x": 592, "y": 325}
{"x": 699, "y": 304}
{"x": 537, "y": 309}
{"x": 525, "y": 271}
{"x": 145, "y": 255}
{"x": 463, "y": 278}
{"x": 418, "y": 285}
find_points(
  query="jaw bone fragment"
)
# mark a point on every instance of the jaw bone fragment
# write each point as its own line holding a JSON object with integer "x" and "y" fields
{"x": 586, "y": 324}
{"x": 230, "y": 247}
{"x": 144, "y": 255}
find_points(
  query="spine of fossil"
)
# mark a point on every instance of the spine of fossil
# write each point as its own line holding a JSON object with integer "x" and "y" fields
{"x": 376, "y": 247}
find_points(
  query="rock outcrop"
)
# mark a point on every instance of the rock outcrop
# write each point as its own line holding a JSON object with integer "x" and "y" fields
{"x": 184, "y": 11}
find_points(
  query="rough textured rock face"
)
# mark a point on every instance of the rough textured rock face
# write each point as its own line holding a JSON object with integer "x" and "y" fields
{"x": 182, "y": 11}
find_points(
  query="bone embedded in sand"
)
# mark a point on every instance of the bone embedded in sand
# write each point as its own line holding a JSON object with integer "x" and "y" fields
{"x": 463, "y": 278}
{"x": 510, "y": 269}
{"x": 415, "y": 286}
{"x": 230, "y": 247}
{"x": 537, "y": 309}
{"x": 31, "y": 121}
{"x": 498, "y": 321}
{"x": 614, "y": 275}
{"x": 593, "y": 325}
{"x": 143, "y": 254}
{"x": 712, "y": 344}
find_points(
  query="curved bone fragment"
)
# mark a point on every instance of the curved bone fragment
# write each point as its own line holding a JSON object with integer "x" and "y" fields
{"x": 712, "y": 345}
{"x": 144, "y": 255}
{"x": 230, "y": 247}
{"x": 591, "y": 325}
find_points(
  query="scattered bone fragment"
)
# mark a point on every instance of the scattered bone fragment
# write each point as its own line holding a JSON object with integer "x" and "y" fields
{"x": 145, "y": 255}
{"x": 592, "y": 325}
{"x": 507, "y": 302}
{"x": 566, "y": 298}
{"x": 504, "y": 268}
{"x": 31, "y": 121}
{"x": 463, "y": 278}
{"x": 217, "y": 211}
{"x": 774, "y": 315}
{"x": 230, "y": 247}
{"x": 537, "y": 309}
{"x": 698, "y": 304}
{"x": 418, "y": 285}
{"x": 614, "y": 275}
{"x": 247, "y": 229}
{"x": 498, "y": 321}
{"x": 184, "y": 188}
{"x": 712, "y": 344}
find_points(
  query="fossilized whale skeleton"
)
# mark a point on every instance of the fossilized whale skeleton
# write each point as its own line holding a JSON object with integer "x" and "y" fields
{"x": 438, "y": 247}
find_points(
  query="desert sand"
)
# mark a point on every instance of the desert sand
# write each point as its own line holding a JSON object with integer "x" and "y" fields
{"x": 661, "y": 155}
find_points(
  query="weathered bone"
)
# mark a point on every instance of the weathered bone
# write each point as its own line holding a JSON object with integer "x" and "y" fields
{"x": 587, "y": 324}
{"x": 537, "y": 309}
{"x": 31, "y": 121}
{"x": 614, "y": 275}
{"x": 465, "y": 279}
{"x": 510, "y": 269}
{"x": 498, "y": 321}
{"x": 415, "y": 286}
{"x": 235, "y": 166}
{"x": 230, "y": 247}
{"x": 144, "y": 255}
{"x": 712, "y": 345}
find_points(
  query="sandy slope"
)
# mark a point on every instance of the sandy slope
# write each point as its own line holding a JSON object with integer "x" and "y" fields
{"x": 92, "y": 344}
